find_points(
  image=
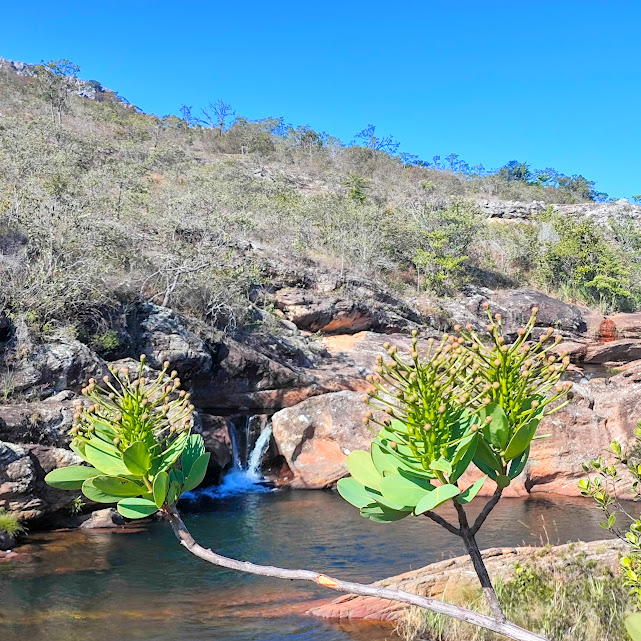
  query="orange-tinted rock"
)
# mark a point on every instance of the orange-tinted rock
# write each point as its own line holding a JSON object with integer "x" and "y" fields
{"x": 607, "y": 330}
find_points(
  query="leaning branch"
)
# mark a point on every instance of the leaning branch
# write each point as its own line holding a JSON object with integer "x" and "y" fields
{"x": 505, "y": 628}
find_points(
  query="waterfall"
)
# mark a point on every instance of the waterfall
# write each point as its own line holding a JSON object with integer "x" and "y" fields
{"x": 243, "y": 478}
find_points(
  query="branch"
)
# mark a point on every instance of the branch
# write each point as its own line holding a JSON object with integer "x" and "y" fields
{"x": 506, "y": 628}
{"x": 489, "y": 506}
{"x": 443, "y": 523}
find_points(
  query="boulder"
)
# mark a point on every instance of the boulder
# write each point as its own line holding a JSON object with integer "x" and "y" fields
{"x": 623, "y": 350}
{"x": 627, "y": 325}
{"x": 45, "y": 422}
{"x": 102, "y": 519}
{"x": 22, "y": 486}
{"x": 316, "y": 311}
{"x": 516, "y": 306}
{"x": 162, "y": 335}
{"x": 41, "y": 371}
{"x": 316, "y": 436}
{"x": 215, "y": 431}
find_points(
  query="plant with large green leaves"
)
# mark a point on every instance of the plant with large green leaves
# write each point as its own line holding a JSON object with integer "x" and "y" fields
{"x": 136, "y": 437}
{"x": 465, "y": 402}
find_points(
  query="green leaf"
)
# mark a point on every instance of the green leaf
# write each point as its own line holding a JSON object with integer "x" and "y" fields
{"x": 498, "y": 431}
{"x": 633, "y": 626}
{"x": 197, "y": 472}
{"x": 174, "y": 493}
{"x": 70, "y": 478}
{"x": 95, "y": 494}
{"x": 382, "y": 514}
{"x": 137, "y": 458}
{"x": 521, "y": 439}
{"x": 440, "y": 495}
{"x": 518, "y": 464}
{"x": 361, "y": 467}
{"x": 78, "y": 447}
{"x": 354, "y": 492}
{"x": 468, "y": 494}
{"x": 136, "y": 508}
{"x": 388, "y": 461}
{"x": 194, "y": 449}
{"x": 173, "y": 452}
{"x": 611, "y": 520}
{"x": 485, "y": 454}
{"x": 108, "y": 462}
{"x": 161, "y": 486}
{"x": 441, "y": 465}
{"x": 117, "y": 486}
{"x": 405, "y": 491}
{"x": 462, "y": 463}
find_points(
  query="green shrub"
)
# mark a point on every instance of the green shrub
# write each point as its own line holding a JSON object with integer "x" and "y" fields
{"x": 9, "y": 523}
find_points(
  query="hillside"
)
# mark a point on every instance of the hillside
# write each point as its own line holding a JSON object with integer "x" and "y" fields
{"x": 268, "y": 264}
{"x": 113, "y": 206}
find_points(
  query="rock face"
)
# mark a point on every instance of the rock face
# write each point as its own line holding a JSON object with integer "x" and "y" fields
{"x": 622, "y": 350}
{"x": 45, "y": 422}
{"x": 22, "y": 486}
{"x": 316, "y": 436}
{"x": 48, "y": 369}
{"x": 434, "y": 579}
{"x": 312, "y": 311}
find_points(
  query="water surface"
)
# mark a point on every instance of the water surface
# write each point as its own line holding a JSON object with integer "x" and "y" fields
{"x": 115, "y": 586}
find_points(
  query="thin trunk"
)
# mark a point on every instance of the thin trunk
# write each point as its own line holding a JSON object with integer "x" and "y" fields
{"x": 472, "y": 548}
{"x": 510, "y": 630}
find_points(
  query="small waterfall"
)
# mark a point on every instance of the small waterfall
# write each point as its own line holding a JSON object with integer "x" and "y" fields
{"x": 242, "y": 478}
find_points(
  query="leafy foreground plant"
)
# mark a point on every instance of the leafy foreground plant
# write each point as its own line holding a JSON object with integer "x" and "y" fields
{"x": 603, "y": 487}
{"x": 136, "y": 437}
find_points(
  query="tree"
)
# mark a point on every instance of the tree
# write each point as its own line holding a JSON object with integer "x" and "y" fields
{"x": 58, "y": 80}
{"x": 515, "y": 170}
{"x": 216, "y": 116}
{"x": 367, "y": 138}
{"x": 135, "y": 433}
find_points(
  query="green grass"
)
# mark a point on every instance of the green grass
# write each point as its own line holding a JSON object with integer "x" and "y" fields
{"x": 9, "y": 524}
{"x": 577, "y": 600}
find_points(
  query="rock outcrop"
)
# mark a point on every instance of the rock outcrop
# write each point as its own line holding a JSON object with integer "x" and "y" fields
{"x": 22, "y": 487}
{"x": 316, "y": 436}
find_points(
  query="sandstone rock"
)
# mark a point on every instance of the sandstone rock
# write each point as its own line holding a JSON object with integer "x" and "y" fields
{"x": 163, "y": 336}
{"x": 316, "y": 436}
{"x": 623, "y": 350}
{"x": 216, "y": 434}
{"x": 516, "y": 306}
{"x": 22, "y": 486}
{"x": 103, "y": 519}
{"x": 44, "y": 370}
{"x": 46, "y": 422}
{"x": 627, "y": 325}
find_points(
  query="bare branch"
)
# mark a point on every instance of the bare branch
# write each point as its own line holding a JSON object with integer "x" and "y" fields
{"x": 505, "y": 628}
{"x": 443, "y": 523}
{"x": 489, "y": 506}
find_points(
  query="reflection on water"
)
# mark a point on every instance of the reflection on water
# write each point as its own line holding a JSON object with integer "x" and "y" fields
{"x": 109, "y": 586}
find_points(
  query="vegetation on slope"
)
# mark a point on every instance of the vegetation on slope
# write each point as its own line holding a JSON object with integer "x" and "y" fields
{"x": 102, "y": 205}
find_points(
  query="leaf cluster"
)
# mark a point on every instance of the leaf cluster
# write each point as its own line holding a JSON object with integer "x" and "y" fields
{"x": 136, "y": 438}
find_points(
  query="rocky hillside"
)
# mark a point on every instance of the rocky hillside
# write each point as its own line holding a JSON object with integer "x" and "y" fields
{"x": 268, "y": 265}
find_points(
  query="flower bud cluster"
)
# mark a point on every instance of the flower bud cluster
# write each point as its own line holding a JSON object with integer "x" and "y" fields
{"x": 131, "y": 409}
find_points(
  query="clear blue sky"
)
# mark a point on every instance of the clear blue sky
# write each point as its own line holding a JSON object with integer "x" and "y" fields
{"x": 553, "y": 83}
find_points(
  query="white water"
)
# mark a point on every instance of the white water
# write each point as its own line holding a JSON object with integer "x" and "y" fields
{"x": 239, "y": 480}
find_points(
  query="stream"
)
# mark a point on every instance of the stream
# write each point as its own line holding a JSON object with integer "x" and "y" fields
{"x": 127, "y": 585}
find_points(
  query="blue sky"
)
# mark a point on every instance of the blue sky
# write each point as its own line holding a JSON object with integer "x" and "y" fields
{"x": 553, "y": 83}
